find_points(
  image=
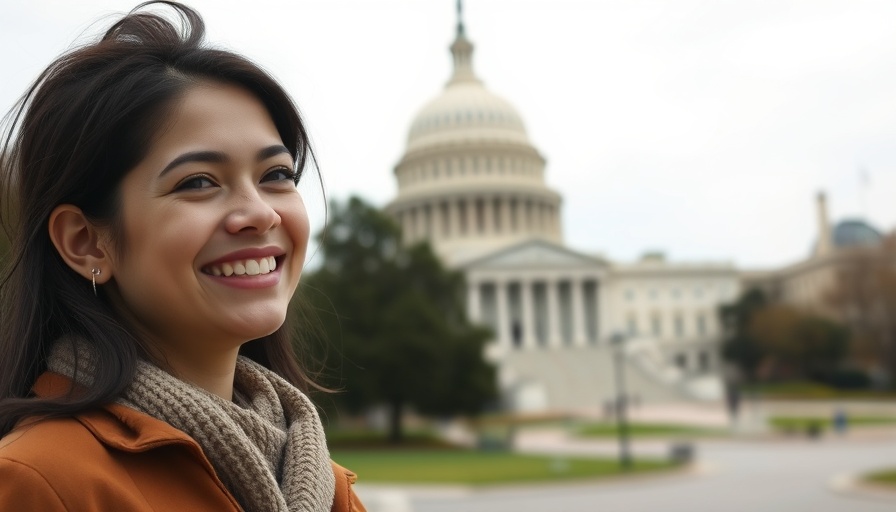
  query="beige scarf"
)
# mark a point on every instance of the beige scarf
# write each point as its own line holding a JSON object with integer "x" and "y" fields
{"x": 270, "y": 452}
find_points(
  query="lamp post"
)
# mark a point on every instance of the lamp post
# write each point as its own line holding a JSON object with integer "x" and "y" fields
{"x": 618, "y": 342}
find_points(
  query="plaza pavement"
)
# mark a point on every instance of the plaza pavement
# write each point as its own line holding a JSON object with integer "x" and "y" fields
{"x": 752, "y": 471}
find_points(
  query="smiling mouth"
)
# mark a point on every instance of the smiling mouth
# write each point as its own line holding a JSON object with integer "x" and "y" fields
{"x": 247, "y": 267}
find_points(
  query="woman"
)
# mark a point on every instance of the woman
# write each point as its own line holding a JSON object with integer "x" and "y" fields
{"x": 159, "y": 237}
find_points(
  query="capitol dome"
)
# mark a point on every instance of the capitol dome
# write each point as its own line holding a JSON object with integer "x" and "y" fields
{"x": 466, "y": 111}
{"x": 470, "y": 181}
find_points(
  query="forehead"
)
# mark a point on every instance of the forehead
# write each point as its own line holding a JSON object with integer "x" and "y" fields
{"x": 214, "y": 115}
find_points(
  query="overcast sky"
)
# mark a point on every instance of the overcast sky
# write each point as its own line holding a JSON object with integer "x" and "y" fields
{"x": 700, "y": 128}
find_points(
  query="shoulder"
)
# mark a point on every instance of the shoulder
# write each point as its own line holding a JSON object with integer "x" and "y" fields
{"x": 112, "y": 458}
{"x": 345, "y": 499}
{"x": 38, "y": 459}
{"x": 44, "y": 442}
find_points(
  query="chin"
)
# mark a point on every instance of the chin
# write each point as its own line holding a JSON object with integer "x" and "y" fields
{"x": 254, "y": 328}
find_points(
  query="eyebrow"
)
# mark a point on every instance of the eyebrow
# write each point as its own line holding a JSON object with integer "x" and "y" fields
{"x": 217, "y": 157}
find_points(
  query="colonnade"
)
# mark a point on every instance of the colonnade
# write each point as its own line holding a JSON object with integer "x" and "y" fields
{"x": 485, "y": 215}
{"x": 530, "y": 312}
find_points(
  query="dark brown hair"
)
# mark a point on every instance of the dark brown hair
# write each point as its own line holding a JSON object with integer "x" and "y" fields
{"x": 87, "y": 121}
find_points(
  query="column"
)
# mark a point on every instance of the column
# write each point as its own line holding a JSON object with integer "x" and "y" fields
{"x": 437, "y": 228}
{"x": 604, "y": 312}
{"x": 488, "y": 218}
{"x": 474, "y": 310}
{"x": 577, "y": 292}
{"x": 505, "y": 216}
{"x": 471, "y": 217}
{"x": 530, "y": 215}
{"x": 503, "y": 334}
{"x": 554, "y": 336}
{"x": 538, "y": 215}
{"x": 453, "y": 219}
{"x": 528, "y": 311}
{"x": 555, "y": 221}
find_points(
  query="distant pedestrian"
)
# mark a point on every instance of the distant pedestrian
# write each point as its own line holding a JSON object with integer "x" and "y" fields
{"x": 159, "y": 237}
{"x": 840, "y": 421}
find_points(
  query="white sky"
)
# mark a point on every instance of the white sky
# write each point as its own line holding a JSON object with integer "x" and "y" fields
{"x": 701, "y": 128}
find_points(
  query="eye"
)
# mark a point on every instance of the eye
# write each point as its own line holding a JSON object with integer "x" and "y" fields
{"x": 280, "y": 174}
{"x": 195, "y": 183}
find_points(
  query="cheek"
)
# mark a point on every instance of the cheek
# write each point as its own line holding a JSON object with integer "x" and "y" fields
{"x": 296, "y": 218}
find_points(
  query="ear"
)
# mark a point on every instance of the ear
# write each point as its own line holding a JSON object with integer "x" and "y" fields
{"x": 79, "y": 243}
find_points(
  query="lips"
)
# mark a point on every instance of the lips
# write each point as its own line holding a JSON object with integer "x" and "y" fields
{"x": 242, "y": 267}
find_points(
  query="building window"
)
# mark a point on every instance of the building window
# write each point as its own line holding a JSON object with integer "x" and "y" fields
{"x": 629, "y": 294}
{"x": 676, "y": 293}
{"x": 701, "y": 324}
{"x": 679, "y": 326}
{"x": 656, "y": 325}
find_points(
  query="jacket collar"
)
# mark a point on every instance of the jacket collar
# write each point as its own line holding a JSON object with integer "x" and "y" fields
{"x": 114, "y": 424}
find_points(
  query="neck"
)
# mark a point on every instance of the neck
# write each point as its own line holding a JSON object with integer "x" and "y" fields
{"x": 211, "y": 371}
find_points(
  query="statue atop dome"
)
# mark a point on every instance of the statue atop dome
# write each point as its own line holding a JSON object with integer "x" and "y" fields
{"x": 462, "y": 50}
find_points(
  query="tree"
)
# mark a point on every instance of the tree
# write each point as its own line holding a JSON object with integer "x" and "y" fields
{"x": 781, "y": 340}
{"x": 740, "y": 346}
{"x": 399, "y": 319}
{"x": 864, "y": 297}
{"x": 798, "y": 345}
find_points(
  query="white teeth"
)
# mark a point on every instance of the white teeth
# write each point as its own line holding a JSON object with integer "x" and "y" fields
{"x": 250, "y": 267}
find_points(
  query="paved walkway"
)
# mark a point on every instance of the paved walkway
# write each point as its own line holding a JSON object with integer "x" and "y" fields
{"x": 750, "y": 475}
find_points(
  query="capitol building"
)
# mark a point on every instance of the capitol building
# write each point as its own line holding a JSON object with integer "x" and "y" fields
{"x": 472, "y": 184}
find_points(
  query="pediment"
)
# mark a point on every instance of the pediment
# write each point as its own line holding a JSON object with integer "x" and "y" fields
{"x": 535, "y": 254}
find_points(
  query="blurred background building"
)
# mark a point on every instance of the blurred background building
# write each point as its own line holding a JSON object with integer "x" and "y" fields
{"x": 808, "y": 284}
{"x": 472, "y": 184}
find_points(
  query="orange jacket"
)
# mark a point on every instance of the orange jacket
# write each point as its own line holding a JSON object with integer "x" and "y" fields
{"x": 116, "y": 458}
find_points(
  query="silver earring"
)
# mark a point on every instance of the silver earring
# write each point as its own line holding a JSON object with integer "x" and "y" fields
{"x": 95, "y": 272}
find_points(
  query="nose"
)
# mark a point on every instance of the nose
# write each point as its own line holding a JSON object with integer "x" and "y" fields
{"x": 251, "y": 213}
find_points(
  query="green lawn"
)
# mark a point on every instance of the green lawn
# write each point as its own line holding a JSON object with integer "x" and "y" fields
{"x": 807, "y": 390}
{"x": 648, "y": 430}
{"x": 886, "y": 477}
{"x": 478, "y": 468}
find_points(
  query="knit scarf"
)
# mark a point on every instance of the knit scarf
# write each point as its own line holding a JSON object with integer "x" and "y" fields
{"x": 269, "y": 451}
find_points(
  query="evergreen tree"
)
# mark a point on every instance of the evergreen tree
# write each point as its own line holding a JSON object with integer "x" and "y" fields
{"x": 396, "y": 317}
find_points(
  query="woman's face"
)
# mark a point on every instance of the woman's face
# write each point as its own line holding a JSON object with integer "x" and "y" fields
{"x": 214, "y": 228}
